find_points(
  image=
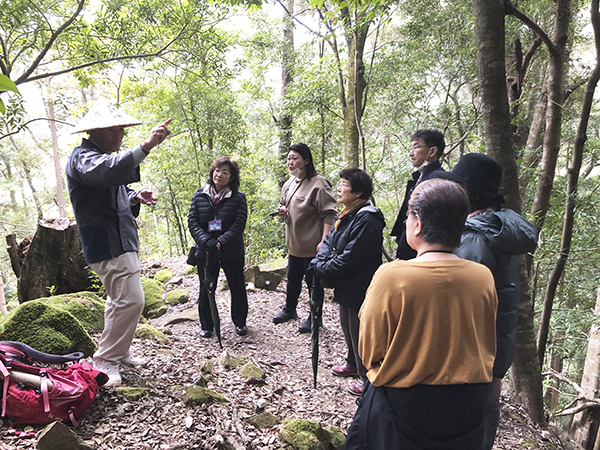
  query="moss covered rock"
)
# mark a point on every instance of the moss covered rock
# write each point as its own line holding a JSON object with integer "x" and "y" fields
{"x": 147, "y": 331}
{"x": 163, "y": 275}
{"x": 192, "y": 270}
{"x": 263, "y": 420}
{"x": 304, "y": 434}
{"x": 228, "y": 360}
{"x": 132, "y": 394}
{"x": 47, "y": 329}
{"x": 197, "y": 395}
{"x": 338, "y": 438}
{"x": 250, "y": 369}
{"x": 153, "y": 298}
{"x": 177, "y": 296}
{"x": 87, "y": 307}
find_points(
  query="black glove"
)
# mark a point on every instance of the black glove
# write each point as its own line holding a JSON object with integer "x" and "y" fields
{"x": 211, "y": 246}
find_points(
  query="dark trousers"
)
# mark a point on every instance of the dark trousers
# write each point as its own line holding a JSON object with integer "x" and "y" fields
{"x": 492, "y": 419}
{"x": 350, "y": 326}
{"x": 295, "y": 272}
{"x": 234, "y": 272}
{"x": 419, "y": 417}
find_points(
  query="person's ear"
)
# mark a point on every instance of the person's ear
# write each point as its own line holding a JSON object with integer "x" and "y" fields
{"x": 432, "y": 152}
{"x": 418, "y": 225}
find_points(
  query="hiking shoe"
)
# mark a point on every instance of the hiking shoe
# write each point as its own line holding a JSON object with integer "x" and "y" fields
{"x": 305, "y": 326}
{"x": 241, "y": 331}
{"x": 131, "y": 360}
{"x": 357, "y": 388}
{"x": 206, "y": 333}
{"x": 344, "y": 371}
{"x": 284, "y": 316}
{"x": 114, "y": 377}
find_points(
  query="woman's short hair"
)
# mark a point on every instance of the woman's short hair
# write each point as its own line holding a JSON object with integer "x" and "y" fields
{"x": 304, "y": 151}
{"x": 360, "y": 181}
{"x": 234, "y": 169}
{"x": 442, "y": 206}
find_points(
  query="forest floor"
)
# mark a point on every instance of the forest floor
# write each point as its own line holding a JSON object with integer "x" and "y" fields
{"x": 161, "y": 419}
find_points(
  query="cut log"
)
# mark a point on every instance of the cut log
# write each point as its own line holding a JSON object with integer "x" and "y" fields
{"x": 54, "y": 263}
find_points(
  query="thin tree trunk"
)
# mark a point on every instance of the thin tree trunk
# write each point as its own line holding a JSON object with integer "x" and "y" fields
{"x": 583, "y": 428}
{"x": 287, "y": 78}
{"x": 58, "y": 171}
{"x": 27, "y": 173}
{"x": 572, "y": 184}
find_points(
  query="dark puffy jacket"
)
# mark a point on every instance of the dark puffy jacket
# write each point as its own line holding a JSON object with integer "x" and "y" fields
{"x": 232, "y": 211}
{"x": 350, "y": 256}
{"x": 495, "y": 239}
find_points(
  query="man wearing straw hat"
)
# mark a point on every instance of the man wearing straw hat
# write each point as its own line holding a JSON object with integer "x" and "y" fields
{"x": 105, "y": 210}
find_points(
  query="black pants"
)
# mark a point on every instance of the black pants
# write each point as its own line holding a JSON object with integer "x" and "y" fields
{"x": 420, "y": 417}
{"x": 234, "y": 272}
{"x": 350, "y": 325}
{"x": 295, "y": 272}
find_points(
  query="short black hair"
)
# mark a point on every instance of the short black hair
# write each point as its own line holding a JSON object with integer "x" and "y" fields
{"x": 304, "y": 151}
{"x": 360, "y": 181}
{"x": 432, "y": 138}
{"x": 234, "y": 169}
{"x": 442, "y": 205}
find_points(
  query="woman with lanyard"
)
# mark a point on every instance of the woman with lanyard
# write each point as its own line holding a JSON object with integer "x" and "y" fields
{"x": 309, "y": 208}
{"x": 216, "y": 220}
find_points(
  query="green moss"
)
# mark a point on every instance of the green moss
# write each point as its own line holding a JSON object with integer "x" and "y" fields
{"x": 196, "y": 395}
{"x": 338, "y": 438}
{"x": 47, "y": 329}
{"x": 263, "y": 420}
{"x": 132, "y": 394}
{"x": 251, "y": 370}
{"x": 190, "y": 271}
{"x": 163, "y": 275}
{"x": 305, "y": 434}
{"x": 177, "y": 296}
{"x": 87, "y": 307}
{"x": 154, "y": 334}
{"x": 153, "y": 297}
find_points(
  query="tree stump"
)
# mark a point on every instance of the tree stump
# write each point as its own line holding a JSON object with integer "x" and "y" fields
{"x": 54, "y": 263}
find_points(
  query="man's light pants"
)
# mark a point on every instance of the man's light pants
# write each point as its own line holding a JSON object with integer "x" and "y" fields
{"x": 120, "y": 277}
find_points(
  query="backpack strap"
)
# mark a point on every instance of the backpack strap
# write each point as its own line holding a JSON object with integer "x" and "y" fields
{"x": 6, "y": 376}
{"x": 9, "y": 348}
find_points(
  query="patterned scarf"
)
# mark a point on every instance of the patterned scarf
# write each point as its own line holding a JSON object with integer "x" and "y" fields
{"x": 215, "y": 196}
{"x": 348, "y": 209}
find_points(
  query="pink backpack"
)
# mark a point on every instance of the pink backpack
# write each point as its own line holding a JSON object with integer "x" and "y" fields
{"x": 35, "y": 394}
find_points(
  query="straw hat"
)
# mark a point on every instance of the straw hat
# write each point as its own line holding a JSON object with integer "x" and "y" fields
{"x": 103, "y": 115}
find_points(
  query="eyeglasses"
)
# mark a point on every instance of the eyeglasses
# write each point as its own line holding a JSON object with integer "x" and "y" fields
{"x": 343, "y": 184}
{"x": 416, "y": 147}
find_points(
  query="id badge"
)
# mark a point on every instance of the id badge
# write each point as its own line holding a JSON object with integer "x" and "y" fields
{"x": 215, "y": 225}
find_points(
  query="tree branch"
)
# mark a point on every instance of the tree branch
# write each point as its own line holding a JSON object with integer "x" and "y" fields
{"x": 511, "y": 9}
{"x": 22, "y": 127}
{"x": 53, "y": 37}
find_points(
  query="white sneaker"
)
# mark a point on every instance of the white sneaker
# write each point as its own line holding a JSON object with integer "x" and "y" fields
{"x": 114, "y": 377}
{"x": 131, "y": 360}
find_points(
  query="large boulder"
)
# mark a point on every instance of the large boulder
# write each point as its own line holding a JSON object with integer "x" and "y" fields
{"x": 46, "y": 328}
{"x": 267, "y": 276}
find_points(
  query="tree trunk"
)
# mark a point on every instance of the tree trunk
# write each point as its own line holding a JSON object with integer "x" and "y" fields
{"x": 490, "y": 36}
{"x": 54, "y": 262}
{"x": 58, "y": 171}
{"x": 356, "y": 37}
{"x": 585, "y": 424}
{"x": 571, "y": 199}
{"x": 287, "y": 78}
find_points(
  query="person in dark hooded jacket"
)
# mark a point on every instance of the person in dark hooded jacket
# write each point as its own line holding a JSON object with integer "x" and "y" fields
{"x": 347, "y": 260}
{"x": 494, "y": 237}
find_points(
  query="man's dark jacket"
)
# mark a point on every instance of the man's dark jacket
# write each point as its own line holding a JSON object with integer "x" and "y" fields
{"x": 101, "y": 201}
{"x": 232, "y": 211}
{"x": 495, "y": 239}
{"x": 404, "y": 250}
{"x": 349, "y": 257}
